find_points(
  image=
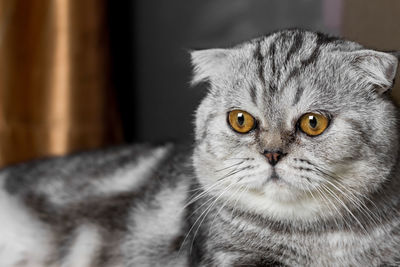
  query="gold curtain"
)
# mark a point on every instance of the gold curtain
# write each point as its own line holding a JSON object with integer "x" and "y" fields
{"x": 55, "y": 94}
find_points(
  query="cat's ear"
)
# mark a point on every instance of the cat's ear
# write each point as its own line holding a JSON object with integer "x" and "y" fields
{"x": 208, "y": 64}
{"x": 375, "y": 68}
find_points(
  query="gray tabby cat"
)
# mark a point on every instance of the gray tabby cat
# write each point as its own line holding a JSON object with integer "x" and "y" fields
{"x": 295, "y": 164}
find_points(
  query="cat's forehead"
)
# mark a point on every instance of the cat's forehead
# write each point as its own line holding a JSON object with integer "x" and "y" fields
{"x": 294, "y": 70}
{"x": 277, "y": 59}
{"x": 286, "y": 69}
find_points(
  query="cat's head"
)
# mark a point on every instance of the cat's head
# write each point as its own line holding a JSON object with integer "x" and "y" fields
{"x": 294, "y": 123}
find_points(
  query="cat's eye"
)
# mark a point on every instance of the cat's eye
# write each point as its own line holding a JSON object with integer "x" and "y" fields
{"x": 313, "y": 124}
{"x": 241, "y": 121}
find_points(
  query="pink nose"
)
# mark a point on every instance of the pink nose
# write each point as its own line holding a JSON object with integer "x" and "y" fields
{"x": 273, "y": 156}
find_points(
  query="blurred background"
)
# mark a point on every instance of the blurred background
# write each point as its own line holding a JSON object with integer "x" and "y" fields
{"x": 82, "y": 74}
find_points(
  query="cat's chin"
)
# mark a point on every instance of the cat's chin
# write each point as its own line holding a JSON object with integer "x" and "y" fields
{"x": 278, "y": 189}
{"x": 280, "y": 200}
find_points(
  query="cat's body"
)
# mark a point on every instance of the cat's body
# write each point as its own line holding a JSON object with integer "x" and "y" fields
{"x": 260, "y": 189}
{"x": 120, "y": 207}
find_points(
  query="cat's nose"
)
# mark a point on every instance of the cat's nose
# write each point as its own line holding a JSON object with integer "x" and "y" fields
{"x": 273, "y": 156}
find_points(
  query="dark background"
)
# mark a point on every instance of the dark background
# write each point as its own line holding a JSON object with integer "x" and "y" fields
{"x": 152, "y": 80}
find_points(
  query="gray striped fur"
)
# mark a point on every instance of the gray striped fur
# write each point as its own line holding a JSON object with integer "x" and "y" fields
{"x": 333, "y": 200}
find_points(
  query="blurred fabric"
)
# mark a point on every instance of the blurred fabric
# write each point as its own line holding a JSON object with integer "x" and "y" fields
{"x": 55, "y": 93}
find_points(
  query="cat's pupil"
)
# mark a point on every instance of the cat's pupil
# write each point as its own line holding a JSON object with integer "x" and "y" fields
{"x": 312, "y": 121}
{"x": 240, "y": 119}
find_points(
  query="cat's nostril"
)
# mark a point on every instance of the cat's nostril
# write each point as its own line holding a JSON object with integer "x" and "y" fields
{"x": 273, "y": 156}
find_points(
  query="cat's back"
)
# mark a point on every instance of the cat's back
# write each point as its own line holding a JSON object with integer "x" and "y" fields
{"x": 90, "y": 172}
{"x": 88, "y": 208}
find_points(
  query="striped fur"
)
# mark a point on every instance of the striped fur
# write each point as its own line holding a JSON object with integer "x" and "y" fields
{"x": 333, "y": 200}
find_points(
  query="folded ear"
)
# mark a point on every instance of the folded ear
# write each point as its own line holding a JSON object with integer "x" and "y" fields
{"x": 395, "y": 53}
{"x": 208, "y": 64}
{"x": 374, "y": 68}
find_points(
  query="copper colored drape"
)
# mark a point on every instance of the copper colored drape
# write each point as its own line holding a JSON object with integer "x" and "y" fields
{"x": 55, "y": 92}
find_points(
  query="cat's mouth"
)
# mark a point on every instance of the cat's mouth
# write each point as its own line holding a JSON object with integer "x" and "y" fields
{"x": 276, "y": 179}
{"x": 274, "y": 187}
{"x": 274, "y": 176}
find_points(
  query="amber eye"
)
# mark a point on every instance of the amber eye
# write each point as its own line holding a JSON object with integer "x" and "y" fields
{"x": 313, "y": 124}
{"x": 241, "y": 121}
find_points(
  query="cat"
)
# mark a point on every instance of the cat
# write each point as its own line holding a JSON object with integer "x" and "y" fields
{"x": 295, "y": 163}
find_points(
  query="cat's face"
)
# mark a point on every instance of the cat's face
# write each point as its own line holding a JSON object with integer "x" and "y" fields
{"x": 295, "y": 125}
